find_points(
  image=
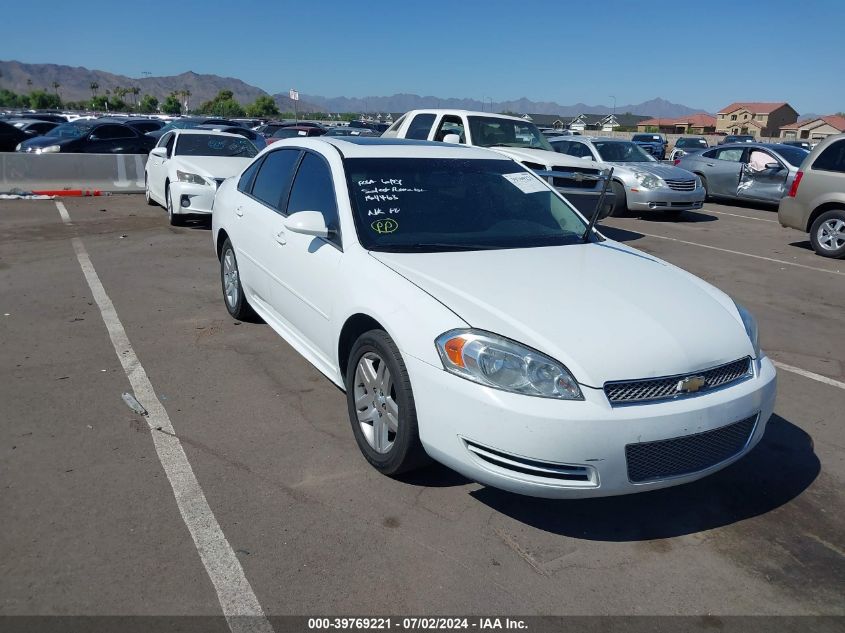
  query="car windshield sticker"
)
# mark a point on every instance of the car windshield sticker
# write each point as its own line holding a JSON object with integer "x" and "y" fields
{"x": 384, "y": 226}
{"x": 525, "y": 182}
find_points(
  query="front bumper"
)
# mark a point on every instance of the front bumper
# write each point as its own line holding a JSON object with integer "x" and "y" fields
{"x": 460, "y": 421}
{"x": 664, "y": 199}
{"x": 199, "y": 198}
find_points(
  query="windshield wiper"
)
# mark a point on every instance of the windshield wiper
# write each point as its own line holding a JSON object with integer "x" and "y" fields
{"x": 437, "y": 247}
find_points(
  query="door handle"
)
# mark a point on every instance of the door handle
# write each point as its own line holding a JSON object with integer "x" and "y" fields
{"x": 709, "y": 164}
{"x": 281, "y": 238}
{"x": 239, "y": 211}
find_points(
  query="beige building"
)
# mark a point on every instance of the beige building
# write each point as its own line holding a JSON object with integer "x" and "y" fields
{"x": 757, "y": 119}
{"x": 693, "y": 124}
{"x": 814, "y": 129}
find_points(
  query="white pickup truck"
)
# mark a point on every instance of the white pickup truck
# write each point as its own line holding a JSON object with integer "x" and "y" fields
{"x": 576, "y": 179}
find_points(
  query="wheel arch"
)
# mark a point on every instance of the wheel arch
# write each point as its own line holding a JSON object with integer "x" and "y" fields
{"x": 353, "y": 327}
{"x": 822, "y": 208}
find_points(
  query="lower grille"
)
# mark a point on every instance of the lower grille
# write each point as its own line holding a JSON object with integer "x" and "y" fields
{"x": 649, "y": 461}
{"x": 515, "y": 463}
{"x": 636, "y": 391}
{"x": 681, "y": 185}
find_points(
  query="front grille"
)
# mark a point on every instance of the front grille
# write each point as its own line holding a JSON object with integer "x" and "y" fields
{"x": 516, "y": 463}
{"x": 649, "y": 461}
{"x": 576, "y": 183}
{"x": 681, "y": 185}
{"x": 651, "y": 389}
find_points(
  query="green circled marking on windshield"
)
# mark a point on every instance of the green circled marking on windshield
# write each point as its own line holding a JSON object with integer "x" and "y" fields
{"x": 384, "y": 226}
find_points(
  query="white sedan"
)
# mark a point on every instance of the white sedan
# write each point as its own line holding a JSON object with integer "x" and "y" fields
{"x": 185, "y": 168}
{"x": 471, "y": 318}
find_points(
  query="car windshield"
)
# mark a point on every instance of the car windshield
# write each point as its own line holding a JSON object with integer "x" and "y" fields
{"x": 793, "y": 155}
{"x": 436, "y": 204}
{"x": 646, "y": 138}
{"x": 691, "y": 142}
{"x": 740, "y": 139}
{"x": 214, "y": 145}
{"x": 289, "y": 132}
{"x": 621, "y": 152}
{"x": 178, "y": 124}
{"x": 489, "y": 131}
{"x": 70, "y": 130}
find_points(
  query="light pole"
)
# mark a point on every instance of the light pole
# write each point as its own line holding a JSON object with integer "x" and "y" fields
{"x": 614, "y": 109}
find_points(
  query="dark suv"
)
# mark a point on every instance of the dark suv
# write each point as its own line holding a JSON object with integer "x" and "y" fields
{"x": 654, "y": 144}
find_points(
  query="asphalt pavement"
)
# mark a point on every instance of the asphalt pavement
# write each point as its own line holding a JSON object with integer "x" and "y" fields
{"x": 92, "y": 525}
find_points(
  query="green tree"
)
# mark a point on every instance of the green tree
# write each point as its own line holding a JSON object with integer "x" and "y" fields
{"x": 223, "y": 104}
{"x": 8, "y": 99}
{"x": 171, "y": 105}
{"x": 40, "y": 100}
{"x": 99, "y": 102}
{"x": 263, "y": 106}
{"x": 148, "y": 104}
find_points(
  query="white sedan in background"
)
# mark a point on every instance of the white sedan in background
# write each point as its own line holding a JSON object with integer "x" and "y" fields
{"x": 185, "y": 168}
{"x": 472, "y": 317}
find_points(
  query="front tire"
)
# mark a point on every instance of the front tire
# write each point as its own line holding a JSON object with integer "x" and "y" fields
{"x": 827, "y": 235}
{"x": 175, "y": 218}
{"x": 147, "y": 196}
{"x": 704, "y": 186}
{"x": 381, "y": 405}
{"x": 230, "y": 281}
{"x": 620, "y": 202}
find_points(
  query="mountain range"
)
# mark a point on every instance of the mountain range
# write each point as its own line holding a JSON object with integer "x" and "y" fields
{"x": 75, "y": 85}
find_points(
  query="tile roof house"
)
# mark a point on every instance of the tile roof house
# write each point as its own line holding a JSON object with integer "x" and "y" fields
{"x": 756, "y": 118}
{"x": 605, "y": 122}
{"x": 814, "y": 129}
{"x": 700, "y": 123}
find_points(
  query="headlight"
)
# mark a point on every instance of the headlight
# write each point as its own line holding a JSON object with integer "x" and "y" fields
{"x": 649, "y": 181}
{"x": 184, "y": 176}
{"x": 49, "y": 149}
{"x": 498, "y": 362}
{"x": 697, "y": 182}
{"x": 18, "y": 147}
{"x": 750, "y": 324}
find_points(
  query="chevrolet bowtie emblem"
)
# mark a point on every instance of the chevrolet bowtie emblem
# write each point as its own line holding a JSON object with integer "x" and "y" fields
{"x": 690, "y": 384}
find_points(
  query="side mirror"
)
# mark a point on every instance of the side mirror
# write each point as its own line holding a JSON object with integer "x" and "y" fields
{"x": 161, "y": 152}
{"x": 588, "y": 157}
{"x": 307, "y": 223}
{"x": 775, "y": 166}
{"x": 452, "y": 138}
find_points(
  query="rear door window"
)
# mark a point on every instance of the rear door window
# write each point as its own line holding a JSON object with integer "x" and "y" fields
{"x": 273, "y": 179}
{"x": 733, "y": 154}
{"x": 420, "y": 127}
{"x": 832, "y": 159}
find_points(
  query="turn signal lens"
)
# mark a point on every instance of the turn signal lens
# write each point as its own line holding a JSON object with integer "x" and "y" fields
{"x": 453, "y": 348}
{"x": 504, "y": 364}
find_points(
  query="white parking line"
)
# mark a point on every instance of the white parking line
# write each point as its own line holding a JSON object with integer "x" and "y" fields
{"x": 737, "y": 215}
{"x": 727, "y": 250}
{"x": 809, "y": 374}
{"x": 237, "y": 599}
{"x": 63, "y": 211}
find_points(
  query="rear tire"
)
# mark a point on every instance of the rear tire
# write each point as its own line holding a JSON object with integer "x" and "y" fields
{"x": 620, "y": 202}
{"x": 233, "y": 291}
{"x": 381, "y": 405}
{"x": 827, "y": 234}
{"x": 175, "y": 218}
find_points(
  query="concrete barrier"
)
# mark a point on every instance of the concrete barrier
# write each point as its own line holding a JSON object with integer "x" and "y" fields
{"x": 116, "y": 173}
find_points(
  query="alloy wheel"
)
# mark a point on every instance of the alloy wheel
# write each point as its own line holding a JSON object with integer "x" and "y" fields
{"x": 231, "y": 281}
{"x": 831, "y": 234}
{"x": 375, "y": 402}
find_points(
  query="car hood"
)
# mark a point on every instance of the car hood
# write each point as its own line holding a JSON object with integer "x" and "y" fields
{"x": 46, "y": 141}
{"x": 544, "y": 157}
{"x": 605, "y": 310}
{"x": 212, "y": 166}
{"x": 669, "y": 172}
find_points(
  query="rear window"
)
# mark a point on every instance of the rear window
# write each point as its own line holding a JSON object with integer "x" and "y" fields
{"x": 832, "y": 159}
{"x": 793, "y": 155}
{"x": 647, "y": 138}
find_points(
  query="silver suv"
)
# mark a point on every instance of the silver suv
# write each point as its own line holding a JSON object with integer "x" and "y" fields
{"x": 816, "y": 201}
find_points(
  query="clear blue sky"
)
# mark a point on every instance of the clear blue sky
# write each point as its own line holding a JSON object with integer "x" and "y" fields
{"x": 568, "y": 52}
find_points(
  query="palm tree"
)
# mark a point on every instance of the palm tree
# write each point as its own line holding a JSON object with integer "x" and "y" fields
{"x": 135, "y": 90}
{"x": 94, "y": 88}
{"x": 56, "y": 86}
{"x": 29, "y": 83}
